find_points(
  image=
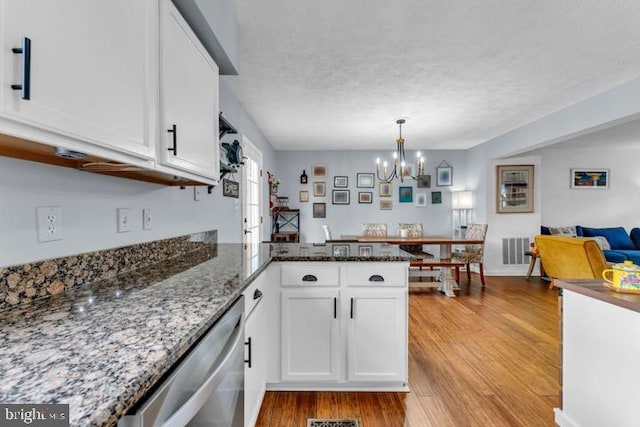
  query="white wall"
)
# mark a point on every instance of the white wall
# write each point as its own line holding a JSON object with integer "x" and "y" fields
{"x": 617, "y": 206}
{"x": 347, "y": 219}
{"x": 89, "y": 204}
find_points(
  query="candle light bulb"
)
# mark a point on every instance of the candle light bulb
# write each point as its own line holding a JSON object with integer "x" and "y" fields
{"x": 378, "y": 160}
{"x": 418, "y": 155}
{"x": 395, "y": 155}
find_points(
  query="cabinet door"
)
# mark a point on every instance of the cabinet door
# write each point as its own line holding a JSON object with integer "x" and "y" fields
{"x": 188, "y": 98}
{"x": 310, "y": 335}
{"x": 92, "y": 70}
{"x": 377, "y": 335}
{"x": 255, "y": 365}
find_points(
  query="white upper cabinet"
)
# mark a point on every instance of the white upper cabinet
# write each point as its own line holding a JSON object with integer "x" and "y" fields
{"x": 89, "y": 73}
{"x": 188, "y": 99}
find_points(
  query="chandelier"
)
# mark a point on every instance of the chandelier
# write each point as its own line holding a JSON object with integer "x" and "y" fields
{"x": 400, "y": 168}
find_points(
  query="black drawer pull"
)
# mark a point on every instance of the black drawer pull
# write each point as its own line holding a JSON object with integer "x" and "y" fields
{"x": 174, "y": 131}
{"x": 309, "y": 278}
{"x": 257, "y": 294}
{"x": 376, "y": 278}
{"x": 25, "y": 50}
{"x": 351, "y": 314}
{"x": 248, "y": 361}
{"x": 335, "y": 307}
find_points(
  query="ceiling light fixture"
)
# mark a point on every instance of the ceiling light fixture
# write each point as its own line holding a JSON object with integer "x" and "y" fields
{"x": 400, "y": 169}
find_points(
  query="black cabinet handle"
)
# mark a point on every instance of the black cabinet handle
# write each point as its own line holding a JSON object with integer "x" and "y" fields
{"x": 174, "y": 131}
{"x": 257, "y": 294}
{"x": 248, "y": 362}
{"x": 376, "y": 278}
{"x": 335, "y": 307}
{"x": 351, "y": 315}
{"x": 25, "y": 50}
{"x": 309, "y": 278}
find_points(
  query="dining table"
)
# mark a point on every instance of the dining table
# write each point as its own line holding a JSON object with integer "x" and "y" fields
{"x": 446, "y": 242}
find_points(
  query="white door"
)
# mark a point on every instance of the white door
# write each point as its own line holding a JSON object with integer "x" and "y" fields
{"x": 310, "y": 335}
{"x": 92, "y": 68}
{"x": 251, "y": 197}
{"x": 188, "y": 98}
{"x": 377, "y": 335}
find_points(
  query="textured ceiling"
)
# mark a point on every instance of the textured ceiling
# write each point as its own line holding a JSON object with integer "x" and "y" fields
{"x": 335, "y": 74}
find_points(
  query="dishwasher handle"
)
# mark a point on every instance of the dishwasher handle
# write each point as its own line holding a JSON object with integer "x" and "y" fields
{"x": 191, "y": 407}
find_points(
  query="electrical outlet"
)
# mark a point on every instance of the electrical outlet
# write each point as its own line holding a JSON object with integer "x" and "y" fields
{"x": 147, "y": 220}
{"x": 123, "y": 220}
{"x": 197, "y": 192}
{"x": 49, "y": 223}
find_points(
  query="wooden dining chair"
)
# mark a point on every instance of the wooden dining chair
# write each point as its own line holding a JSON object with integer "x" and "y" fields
{"x": 473, "y": 254}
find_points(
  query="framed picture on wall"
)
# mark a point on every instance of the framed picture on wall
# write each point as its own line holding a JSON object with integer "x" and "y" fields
{"x": 365, "y": 197}
{"x": 421, "y": 200}
{"x": 319, "y": 210}
{"x": 590, "y": 179}
{"x": 406, "y": 194}
{"x": 436, "y": 197}
{"x": 424, "y": 181}
{"x": 304, "y": 196}
{"x": 444, "y": 175}
{"x": 340, "y": 197}
{"x": 385, "y": 189}
{"x": 386, "y": 205}
{"x": 514, "y": 188}
{"x": 341, "y": 181}
{"x": 365, "y": 180}
{"x": 319, "y": 189}
{"x": 319, "y": 171}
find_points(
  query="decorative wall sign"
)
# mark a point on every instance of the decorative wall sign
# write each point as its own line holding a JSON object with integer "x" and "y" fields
{"x": 514, "y": 188}
{"x": 304, "y": 178}
{"x": 319, "y": 189}
{"x": 341, "y": 197}
{"x": 385, "y": 189}
{"x": 424, "y": 181}
{"x": 444, "y": 174}
{"x": 436, "y": 197}
{"x": 304, "y": 196}
{"x": 340, "y": 250}
{"x": 319, "y": 210}
{"x": 421, "y": 200}
{"x": 365, "y": 197}
{"x": 406, "y": 194}
{"x": 386, "y": 205}
{"x": 365, "y": 180}
{"x": 319, "y": 171}
{"x": 590, "y": 178}
{"x": 341, "y": 181}
{"x": 230, "y": 188}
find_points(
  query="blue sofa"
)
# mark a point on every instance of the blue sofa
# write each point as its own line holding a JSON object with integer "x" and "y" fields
{"x": 623, "y": 246}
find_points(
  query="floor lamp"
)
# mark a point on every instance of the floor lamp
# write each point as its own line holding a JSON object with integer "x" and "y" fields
{"x": 462, "y": 205}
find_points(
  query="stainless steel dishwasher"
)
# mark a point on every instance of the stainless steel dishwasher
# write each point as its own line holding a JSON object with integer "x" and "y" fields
{"x": 207, "y": 387}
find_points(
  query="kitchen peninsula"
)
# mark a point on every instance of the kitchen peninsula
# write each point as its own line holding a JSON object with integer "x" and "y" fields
{"x": 101, "y": 346}
{"x": 599, "y": 355}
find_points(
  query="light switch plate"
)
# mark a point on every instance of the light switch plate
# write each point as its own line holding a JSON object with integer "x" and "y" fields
{"x": 124, "y": 217}
{"x": 147, "y": 219}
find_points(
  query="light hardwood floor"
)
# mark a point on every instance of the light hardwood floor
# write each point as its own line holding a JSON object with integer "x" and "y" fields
{"x": 486, "y": 358}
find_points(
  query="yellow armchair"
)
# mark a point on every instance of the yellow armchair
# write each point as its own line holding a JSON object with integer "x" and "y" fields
{"x": 570, "y": 257}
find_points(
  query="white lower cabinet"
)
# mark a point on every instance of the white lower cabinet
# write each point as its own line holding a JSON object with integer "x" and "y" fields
{"x": 352, "y": 335}
{"x": 256, "y": 336}
{"x": 310, "y": 335}
{"x": 377, "y": 335}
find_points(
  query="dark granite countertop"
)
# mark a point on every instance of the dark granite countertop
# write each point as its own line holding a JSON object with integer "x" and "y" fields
{"x": 598, "y": 290}
{"x": 102, "y": 346}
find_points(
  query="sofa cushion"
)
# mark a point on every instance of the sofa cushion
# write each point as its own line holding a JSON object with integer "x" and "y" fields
{"x": 635, "y": 237}
{"x": 614, "y": 256}
{"x": 563, "y": 231}
{"x": 544, "y": 230}
{"x": 617, "y": 236}
{"x": 601, "y": 241}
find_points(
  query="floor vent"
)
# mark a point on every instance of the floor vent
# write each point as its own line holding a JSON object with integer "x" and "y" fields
{"x": 513, "y": 249}
{"x": 312, "y": 422}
